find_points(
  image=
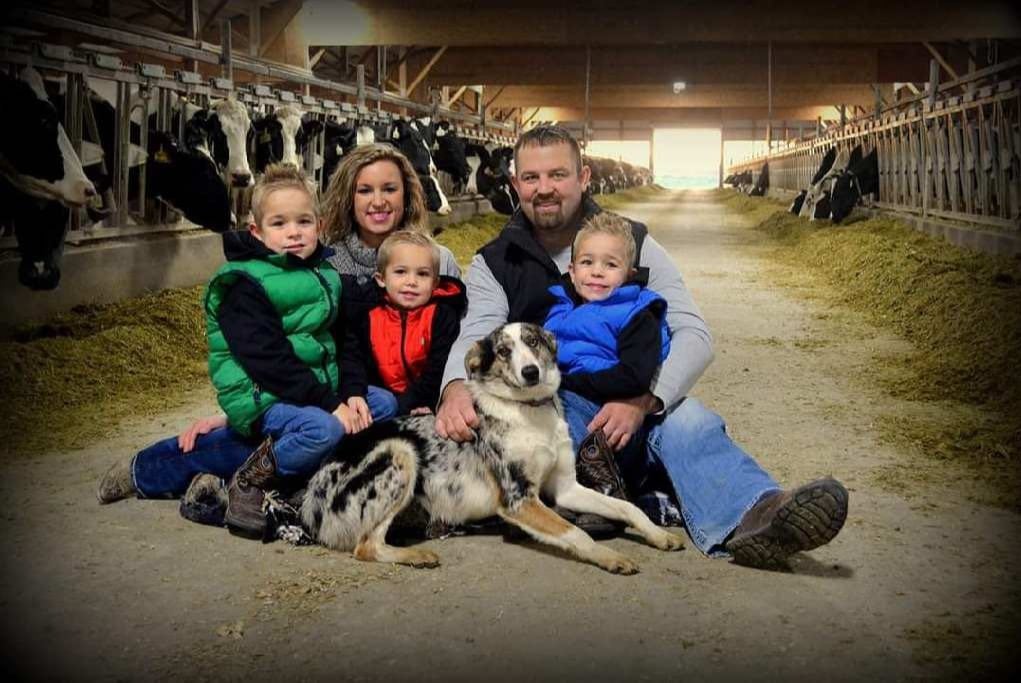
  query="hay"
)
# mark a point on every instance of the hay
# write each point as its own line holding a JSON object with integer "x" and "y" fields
{"x": 635, "y": 194}
{"x": 66, "y": 382}
{"x": 465, "y": 238}
{"x": 961, "y": 311}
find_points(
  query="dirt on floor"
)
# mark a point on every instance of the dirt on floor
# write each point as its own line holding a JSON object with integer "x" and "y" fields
{"x": 920, "y": 584}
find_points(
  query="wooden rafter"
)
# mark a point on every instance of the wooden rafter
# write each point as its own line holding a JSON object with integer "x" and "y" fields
{"x": 213, "y": 15}
{"x": 939, "y": 58}
{"x": 532, "y": 116}
{"x": 314, "y": 59}
{"x": 456, "y": 96}
{"x": 425, "y": 69}
{"x": 493, "y": 98}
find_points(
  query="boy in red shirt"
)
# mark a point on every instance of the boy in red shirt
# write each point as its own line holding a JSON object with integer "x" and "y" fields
{"x": 402, "y": 341}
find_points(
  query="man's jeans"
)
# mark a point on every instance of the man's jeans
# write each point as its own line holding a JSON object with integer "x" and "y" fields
{"x": 301, "y": 436}
{"x": 715, "y": 481}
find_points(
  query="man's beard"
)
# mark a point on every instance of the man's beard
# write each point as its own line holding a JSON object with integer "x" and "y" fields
{"x": 548, "y": 219}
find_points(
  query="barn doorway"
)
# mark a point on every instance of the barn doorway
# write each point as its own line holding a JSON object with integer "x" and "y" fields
{"x": 686, "y": 158}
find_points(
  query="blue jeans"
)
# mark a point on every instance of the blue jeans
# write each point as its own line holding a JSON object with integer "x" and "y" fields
{"x": 301, "y": 436}
{"x": 715, "y": 481}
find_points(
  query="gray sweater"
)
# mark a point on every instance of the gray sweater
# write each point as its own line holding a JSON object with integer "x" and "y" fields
{"x": 691, "y": 345}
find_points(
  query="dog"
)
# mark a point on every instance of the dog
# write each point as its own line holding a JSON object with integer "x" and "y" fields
{"x": 522, "y": 449}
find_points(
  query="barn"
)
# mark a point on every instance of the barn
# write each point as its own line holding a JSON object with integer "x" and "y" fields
{"x": 827, "y": 197}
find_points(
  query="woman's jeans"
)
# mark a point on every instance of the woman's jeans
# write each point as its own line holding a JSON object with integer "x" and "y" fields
{"x": 301, "y": 438}
{"x": 715, "y": 481}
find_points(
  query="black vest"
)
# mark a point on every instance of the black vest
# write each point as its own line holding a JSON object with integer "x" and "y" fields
{"x": 526, "y": 272}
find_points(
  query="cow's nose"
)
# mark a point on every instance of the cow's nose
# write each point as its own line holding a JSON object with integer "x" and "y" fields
{"x": 241, "y": 179}
{"x": 530, "y": 374}
{"x": 90, "y": 191}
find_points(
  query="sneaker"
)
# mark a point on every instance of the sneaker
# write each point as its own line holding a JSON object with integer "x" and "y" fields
{"x": 117, "y": 483}
{"x": 787, "y": 522}
{"x": 246, "y": 492}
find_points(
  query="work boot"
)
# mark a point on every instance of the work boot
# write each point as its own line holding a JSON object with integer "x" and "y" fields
{"x": 596, "y": 467}
{"x": 247, "y": 491}
{"x": 117, "y": 483}
{"x": 786, "y": 522}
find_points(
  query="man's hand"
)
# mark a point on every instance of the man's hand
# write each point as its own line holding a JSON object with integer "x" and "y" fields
{"x": 456, "y": 418}
{"x": 203, "y": 425}
{"x": 621, "y": 419}
{"x": 352, "y": 422}
{"x": 361, "y": 409}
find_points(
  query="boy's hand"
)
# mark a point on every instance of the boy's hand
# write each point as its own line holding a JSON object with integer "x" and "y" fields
{"x": 203, "y": 425}
{"x": 360, "y": 408}
{"x": 421, "y": 411}
{"x": 349, "y": 419}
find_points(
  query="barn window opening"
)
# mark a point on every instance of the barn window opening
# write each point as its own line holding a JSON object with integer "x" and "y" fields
{"x": 686, "y": 158}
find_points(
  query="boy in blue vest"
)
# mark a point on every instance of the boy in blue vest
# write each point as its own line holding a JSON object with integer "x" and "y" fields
{"x": 270, "y": 321}
{"x": 611, "y": 339}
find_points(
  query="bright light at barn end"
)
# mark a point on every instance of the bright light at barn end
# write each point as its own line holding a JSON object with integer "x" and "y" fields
{"x": 680, "y": 86}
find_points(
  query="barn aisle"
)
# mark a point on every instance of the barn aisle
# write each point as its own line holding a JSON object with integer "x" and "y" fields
{"x": 920, "y": 583}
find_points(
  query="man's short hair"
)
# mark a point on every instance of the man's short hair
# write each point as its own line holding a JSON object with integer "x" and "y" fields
{"x": 606, "y": 223}
{"x": 546, "y": 136}
{"x": 412, "y": 237}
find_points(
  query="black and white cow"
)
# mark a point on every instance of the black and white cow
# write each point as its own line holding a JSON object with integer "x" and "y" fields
{"x": 40, "y": 177}
{"x": 860, "y": 179}
{"x": 761, "y": 183}
{"x": 282, "y": 137}
{"x": 824, "y": 168}
{"x": 408, "y": 139}
{"x": 491, "y": 175}
{"x": 449, "y": 155}
{"x": 817, "y": 200}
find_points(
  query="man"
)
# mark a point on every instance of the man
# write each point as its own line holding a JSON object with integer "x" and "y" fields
{"x": 730, "y": 505}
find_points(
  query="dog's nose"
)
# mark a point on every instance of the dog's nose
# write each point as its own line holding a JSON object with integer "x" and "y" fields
{"x": 530, "y": 373}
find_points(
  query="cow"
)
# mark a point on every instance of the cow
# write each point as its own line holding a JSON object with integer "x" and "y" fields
{"x": 761, "y": 183}
{"x": 221, "y": 132}
{"x": 491, "y": 175}
{"x": 408, "y": 139}
{"x": 41, "y": 176}
{"x": 449, "y": 155}
{"x": 824, "y": 168}
{"x": 282, "y": 136}
{"x": 860, "y": 179}
{"x": 817, "y": 199}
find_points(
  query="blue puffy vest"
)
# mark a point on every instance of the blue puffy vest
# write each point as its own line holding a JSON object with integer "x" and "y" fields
{"x": 587, "y": 334}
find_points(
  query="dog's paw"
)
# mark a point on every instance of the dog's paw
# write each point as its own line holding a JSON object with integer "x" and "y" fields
{"x": 423, "y": 559}
{"x": 668, "y": 541}
{"x": 619, "y": 564}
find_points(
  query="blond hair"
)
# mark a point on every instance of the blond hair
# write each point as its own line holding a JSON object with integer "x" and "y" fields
{"x": 606, "y": 223}
{"x": 279, "y": 177}
{"x": 411, "y": 237}
{"x": 339, "y": 201}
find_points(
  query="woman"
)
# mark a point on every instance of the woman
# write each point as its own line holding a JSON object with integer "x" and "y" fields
{"x": 373, "y": 192}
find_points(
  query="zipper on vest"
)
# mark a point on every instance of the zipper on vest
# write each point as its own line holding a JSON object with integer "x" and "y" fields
{"x": 404, "y": 359}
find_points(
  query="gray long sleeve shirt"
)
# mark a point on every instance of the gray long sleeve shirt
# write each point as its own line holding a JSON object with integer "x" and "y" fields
{"x": 691, "y": 346}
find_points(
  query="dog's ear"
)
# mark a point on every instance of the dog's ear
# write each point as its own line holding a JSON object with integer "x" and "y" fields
{"x": 480, "y": 357}
{"x": 549, "y": 341}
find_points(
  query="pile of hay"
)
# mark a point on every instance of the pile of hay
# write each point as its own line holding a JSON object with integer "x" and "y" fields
{"x": 960, "y": 309}
{"x": 634, "y": 194}
{"x": 68, "y": 382}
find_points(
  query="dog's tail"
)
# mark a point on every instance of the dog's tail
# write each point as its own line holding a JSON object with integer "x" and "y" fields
{"x": 346, "y": 503}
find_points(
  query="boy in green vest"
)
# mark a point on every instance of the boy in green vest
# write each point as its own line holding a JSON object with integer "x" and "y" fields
{"x": 270, "y": 314}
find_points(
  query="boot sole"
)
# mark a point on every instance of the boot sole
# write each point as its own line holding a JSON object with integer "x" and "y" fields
{"x": 813, "y": 517}
{"x": 242, "y": 527}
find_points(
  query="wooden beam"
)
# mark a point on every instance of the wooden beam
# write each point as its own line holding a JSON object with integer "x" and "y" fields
{"x": 425, "y": 70}
{"x": 192, "y": 18}
{"x": 254, "y": 28}
{"x": 532, "y": 116}
{"x": 314, "y": 59}
{"x": 493, "y": 98}
{"x": 277, "y": 19}
{"x": 456, "y": 97}
{"x": 939, "y": 58}
{"x": 212, "y": 16}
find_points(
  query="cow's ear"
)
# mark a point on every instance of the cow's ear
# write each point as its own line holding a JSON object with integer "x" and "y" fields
{"x": 479, "y": 358}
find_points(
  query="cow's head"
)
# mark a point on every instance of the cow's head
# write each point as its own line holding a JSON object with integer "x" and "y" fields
{"x": 189, "y": 181}
{"x": 450, "y": 155}
{"x": 233, "y": 122}
{"x": 36, "y": 156}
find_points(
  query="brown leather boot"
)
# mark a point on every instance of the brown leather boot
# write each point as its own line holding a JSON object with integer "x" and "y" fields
{"x": 246, "y": 492}
{"x": 787, "y": 522}
{"x": 596, "y": 466}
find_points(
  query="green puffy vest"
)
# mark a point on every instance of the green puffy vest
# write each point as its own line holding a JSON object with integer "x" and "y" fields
{"x": 307, "y": 300}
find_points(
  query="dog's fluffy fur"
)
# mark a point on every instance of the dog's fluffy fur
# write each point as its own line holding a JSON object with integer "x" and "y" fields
{"x": 522, "y": 449}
